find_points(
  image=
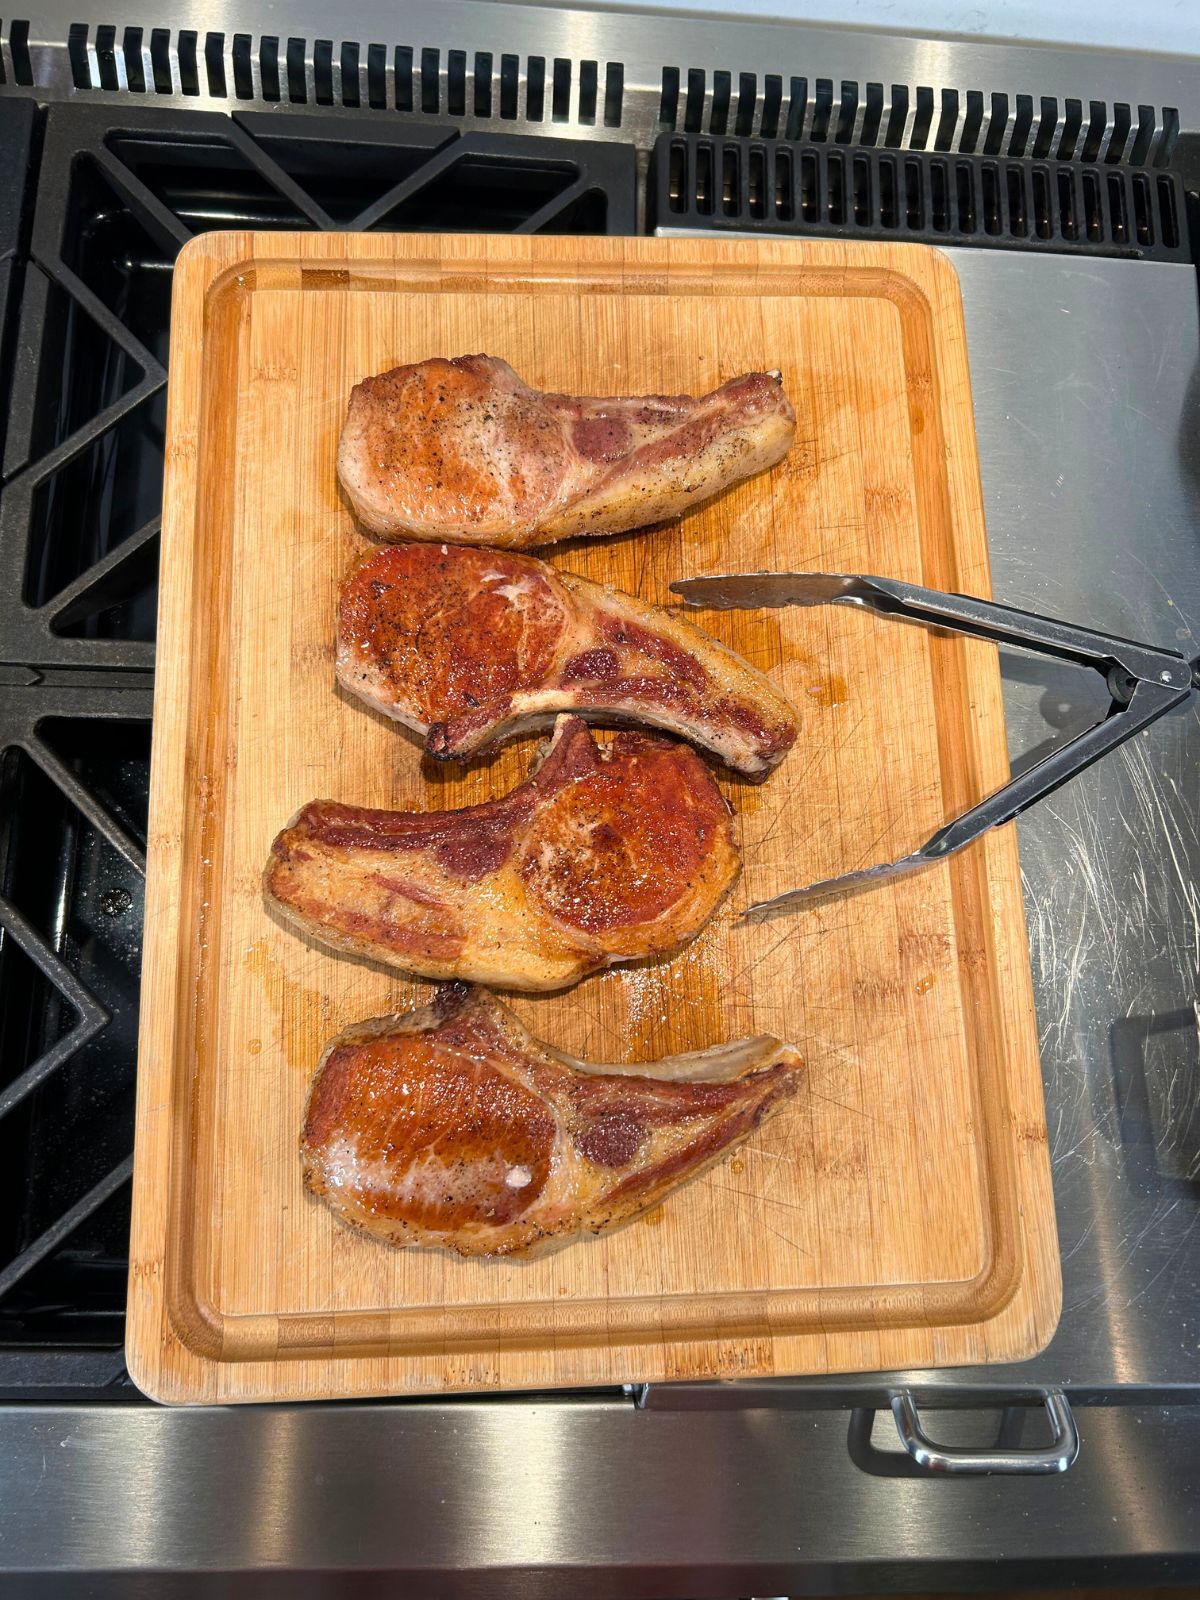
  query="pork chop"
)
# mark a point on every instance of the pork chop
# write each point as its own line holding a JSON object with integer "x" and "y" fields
{"x": 600, "y": 856}
{"x": 470, "y": 646}
{"x": 462, "y": 450}
{"x": 453, "y": 1127}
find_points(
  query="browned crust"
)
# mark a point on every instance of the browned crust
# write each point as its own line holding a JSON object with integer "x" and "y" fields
{"x": 417, "y": 467}
{"x": 542, "y": 947}
{"x": 742, "y": 1101}
{"x": 479, "y": 669}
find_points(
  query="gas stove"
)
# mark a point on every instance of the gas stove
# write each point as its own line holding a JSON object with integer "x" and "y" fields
{"x": 1064, "y": 197}
{"x": 117, "y": 192}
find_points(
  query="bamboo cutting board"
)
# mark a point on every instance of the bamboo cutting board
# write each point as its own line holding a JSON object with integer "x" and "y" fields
{"x": 897, "y": 1214}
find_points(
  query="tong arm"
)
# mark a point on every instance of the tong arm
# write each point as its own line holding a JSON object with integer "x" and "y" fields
{"x": 1143, "y": 684}
{"x": 960, "y": 613}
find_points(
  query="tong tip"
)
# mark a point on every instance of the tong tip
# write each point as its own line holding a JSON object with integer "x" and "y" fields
{"x": 848, "y": 883}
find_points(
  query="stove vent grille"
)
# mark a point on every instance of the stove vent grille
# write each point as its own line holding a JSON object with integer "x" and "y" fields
{"x": 598, "y": 95}
{"x": 775, "y": 186}
{"x": 322, "y": 72}
{"x": 821, "y": 111}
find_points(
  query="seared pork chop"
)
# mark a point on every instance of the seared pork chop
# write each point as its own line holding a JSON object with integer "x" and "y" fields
{"x": 599, "y": 856}
{"x": 454, "y": 1127}
{"x": 462, "y": 450}
{"x": 470, "y": 646}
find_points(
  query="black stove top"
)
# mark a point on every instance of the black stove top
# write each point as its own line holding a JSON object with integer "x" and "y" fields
{"x": 94, "y": 206}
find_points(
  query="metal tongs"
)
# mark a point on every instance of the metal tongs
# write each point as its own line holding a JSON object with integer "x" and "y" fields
{"x": 1144, "y": 683}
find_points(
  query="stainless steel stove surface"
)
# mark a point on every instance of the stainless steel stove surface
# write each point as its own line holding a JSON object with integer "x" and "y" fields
{"x": 1063, "y": 195}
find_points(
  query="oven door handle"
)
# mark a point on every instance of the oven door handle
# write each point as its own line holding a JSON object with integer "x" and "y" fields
{"x": 1056, "y": 1456}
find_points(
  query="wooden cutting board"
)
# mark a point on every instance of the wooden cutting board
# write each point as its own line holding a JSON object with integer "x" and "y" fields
{"x": 898, "y": 1213}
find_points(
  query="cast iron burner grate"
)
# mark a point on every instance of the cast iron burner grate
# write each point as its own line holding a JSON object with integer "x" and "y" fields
{"x": 86, "y": 257}
{"x": 119, "y": 193}
{"x": 16, "y": 139}
{"x": 74, "y": 781}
